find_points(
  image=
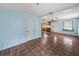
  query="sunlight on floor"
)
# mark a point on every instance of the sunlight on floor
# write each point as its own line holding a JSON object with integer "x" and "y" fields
{"x": 68, "y": 41}
{"x": 44, "y": 39}
{"x": 55, "y": 39}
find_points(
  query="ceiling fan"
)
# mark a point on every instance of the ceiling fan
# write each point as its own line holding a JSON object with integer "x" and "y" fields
{"x": 52, "y": 19}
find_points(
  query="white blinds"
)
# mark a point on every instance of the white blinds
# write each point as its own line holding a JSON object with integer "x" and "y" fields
{"x": 68, "y": 25}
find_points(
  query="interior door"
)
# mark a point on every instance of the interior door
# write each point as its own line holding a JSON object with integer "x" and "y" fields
{"x": 29, "y": 29}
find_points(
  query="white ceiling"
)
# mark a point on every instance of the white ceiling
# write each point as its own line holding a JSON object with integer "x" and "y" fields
{"x": 41, "y": 9}
{"x": 63, "y": 14}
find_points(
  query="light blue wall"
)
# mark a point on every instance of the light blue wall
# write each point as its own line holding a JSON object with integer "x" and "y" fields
{"x": 37, "y": 28}
{"x": 12, "y": 28}
{"x": 78, "y": 29}
{"x": 58, "y": 27}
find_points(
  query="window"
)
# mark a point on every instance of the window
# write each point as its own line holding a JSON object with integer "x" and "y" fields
{"x": 68, "y": 25}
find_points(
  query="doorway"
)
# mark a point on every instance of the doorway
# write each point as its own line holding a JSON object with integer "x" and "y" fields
{"x": 45, "y": 26}
{"x": 29, "y": 29}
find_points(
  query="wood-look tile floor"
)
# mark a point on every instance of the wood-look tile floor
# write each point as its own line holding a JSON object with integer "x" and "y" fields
{"x": 51, "y": 44}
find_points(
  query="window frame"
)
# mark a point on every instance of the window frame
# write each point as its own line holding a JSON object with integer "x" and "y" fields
{"x": 67, "y": 29}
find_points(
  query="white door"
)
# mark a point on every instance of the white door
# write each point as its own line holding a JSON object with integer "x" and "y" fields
{"x": 29, "y": 29}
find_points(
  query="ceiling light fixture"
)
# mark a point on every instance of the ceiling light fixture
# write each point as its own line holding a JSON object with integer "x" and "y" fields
{"x": 69, "y": 10}
{"x": 37, "y": 3}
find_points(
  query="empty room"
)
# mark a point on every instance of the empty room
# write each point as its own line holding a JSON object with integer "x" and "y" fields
{"x": 39, "y": 29}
